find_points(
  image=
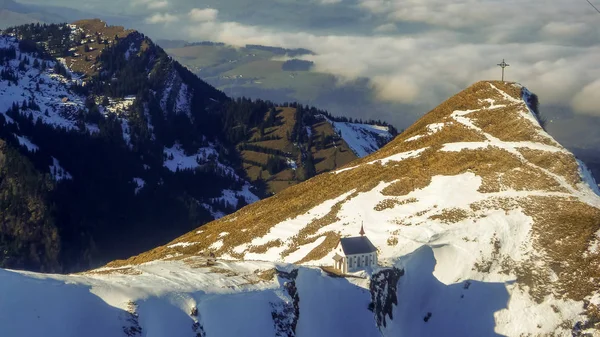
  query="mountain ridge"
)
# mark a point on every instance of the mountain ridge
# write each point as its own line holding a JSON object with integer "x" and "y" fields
{"x": 481, "y": 229}
{"x": 120, "y": 126}
{"x": 477, "y": 179}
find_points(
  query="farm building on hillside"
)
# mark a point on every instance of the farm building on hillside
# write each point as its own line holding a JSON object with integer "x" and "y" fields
{"x": 354, "y": 253}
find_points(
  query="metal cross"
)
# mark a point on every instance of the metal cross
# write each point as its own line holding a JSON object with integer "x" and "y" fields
{"x": 503, "y": 65}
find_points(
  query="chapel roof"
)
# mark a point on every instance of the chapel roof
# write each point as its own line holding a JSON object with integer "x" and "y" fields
{"x": 357, "y": 245}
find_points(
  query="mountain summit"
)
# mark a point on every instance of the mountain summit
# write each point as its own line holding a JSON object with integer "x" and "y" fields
{"x": 478, "y": 181}
{"x": 481, "y": 152}
{"x": 484, "y": 226}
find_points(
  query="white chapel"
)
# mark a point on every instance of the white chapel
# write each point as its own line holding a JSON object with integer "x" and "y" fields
{"x": 354, "y": 253}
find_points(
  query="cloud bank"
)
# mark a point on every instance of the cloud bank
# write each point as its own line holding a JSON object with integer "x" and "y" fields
{"x": 150, "y": 4}
{"x": 164, "y": 18}
{"x": 419, "y": 52}
{"x": 203, "y": 15}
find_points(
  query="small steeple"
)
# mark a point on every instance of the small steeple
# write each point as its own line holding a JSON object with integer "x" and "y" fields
{"x": 362, "y": 231}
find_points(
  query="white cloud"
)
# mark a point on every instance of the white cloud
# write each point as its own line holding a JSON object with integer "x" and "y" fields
{"x": 151, "y": 4}
{"x": 400, "y": 89}
{"x": 161, "y": 18}
{"x": 587, "y": 101}
{"x": 564, "y": 29}
{"x": 203, "y": 15}
{"x": 329, "y": 2}
{"x": 157, "y": 4}
{"x": 552, "y": 48}
{"x": 386, "y": 28}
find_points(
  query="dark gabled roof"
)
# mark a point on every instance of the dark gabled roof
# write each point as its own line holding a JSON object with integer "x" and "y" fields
{"x": 357, "y": 245}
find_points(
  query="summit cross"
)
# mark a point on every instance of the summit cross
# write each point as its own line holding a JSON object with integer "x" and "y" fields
{"x": 503, "y": 65}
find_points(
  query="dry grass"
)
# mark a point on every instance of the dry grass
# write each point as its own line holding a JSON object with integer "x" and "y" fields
{"x": 560, "y": 163}
{"x": 508, "y": 124}
{"x": 391, "y": 203}
{"x": 319, "y": 252}
{"x": 286, "y": 116}
{"x": 306, "y": 234}
{"x": 407, "y": 185}
{"x": 402, "y": 222}
{"x": 453, "y": 132}
{"x": 592, "y": 312}
{"x": 257, "y": 157}
{"x": 505, "y": 204}
{"x": 263, "y": 248}
{"x": 266, "y": 275}
{"x": 386, "y": 204}
{"x": 254, "y": 172}
{"x": 392, "y": 241}
{"x": 223, "y": 271}
{"x": 332, "y": 156}
{"x": 277, "y": 186}
{"x": 520, "y": 178}
{"x": 195, "y": 262}
{"x": 326, "y": 159}
{"x": 451, "y": 215}
{"x": 563, "y": 231}
{"x": 258, "y": 218}
{"x": 90, "y": 27}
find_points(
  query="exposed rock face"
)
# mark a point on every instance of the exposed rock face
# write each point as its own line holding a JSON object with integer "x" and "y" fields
{"x": 383, "y": 289}
{"x": 286, "y": 313}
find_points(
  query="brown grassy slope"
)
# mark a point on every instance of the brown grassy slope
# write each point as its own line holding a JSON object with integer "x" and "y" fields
{"x": 334, "y": 155}
{"x": 281, "y": 180}
{"x": 498, "y": 168}
{"x": 326, "y": 159}
{"x": 92, "y": 27}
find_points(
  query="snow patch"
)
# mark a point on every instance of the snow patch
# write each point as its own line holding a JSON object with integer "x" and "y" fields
{"x": 433, "y": 128}
{"x": 304, "y": 250}
{"x": 140, "y": 183}
{"x": 132, "y": 50}
{"x": 58, "y": 106}
{"x": 216, "y": 245}
{"x": 414, "y": 138}
{"x": 58, "y": 172}
{"x": 182, "y": 244}
{"x": 291, "y": 163}
{"x": 176, "y": 159}
{"x": 120, "y": 106}
{"x": 24, "y": 141}
{"x": 587, "y": 177}
{"x": 363, "y": 139}
{"x": 385, "y": 161}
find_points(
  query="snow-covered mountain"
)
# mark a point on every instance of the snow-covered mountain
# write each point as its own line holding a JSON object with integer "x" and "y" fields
{"x": 484, "y": 225}
{"x": 129, "y": 144}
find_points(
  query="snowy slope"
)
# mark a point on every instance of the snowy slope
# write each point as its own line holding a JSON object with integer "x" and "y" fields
{"x": 53, "y": 88}
{"x": 59, "y": 107}
{"x": 484, "y": 204}
{"x": 588, "y": 178}
{"x": 363, "y": 139}
{"x": 176, "y": 159}
{"x": 232, "y": 299}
